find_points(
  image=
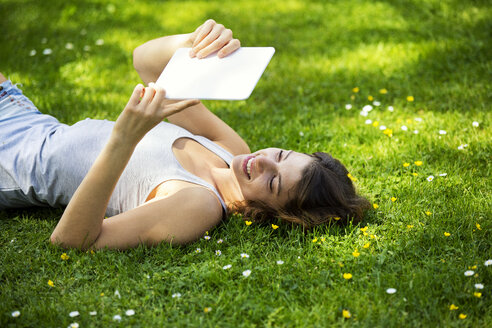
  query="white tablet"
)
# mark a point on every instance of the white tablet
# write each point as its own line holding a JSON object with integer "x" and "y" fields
{"x": 230, "y": 78}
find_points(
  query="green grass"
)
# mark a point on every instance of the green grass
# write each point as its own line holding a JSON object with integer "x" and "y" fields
{"x": 436, "y": 51}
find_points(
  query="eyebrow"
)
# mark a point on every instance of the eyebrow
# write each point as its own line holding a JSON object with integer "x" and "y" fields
{"x": 279, "y": 177}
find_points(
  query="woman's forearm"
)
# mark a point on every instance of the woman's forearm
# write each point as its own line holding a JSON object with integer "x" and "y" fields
{"x": 150, "y": 58}
{"x": 81, "y": 223}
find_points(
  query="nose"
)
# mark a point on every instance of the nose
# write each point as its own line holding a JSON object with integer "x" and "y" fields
{"x": 264, "y": 163}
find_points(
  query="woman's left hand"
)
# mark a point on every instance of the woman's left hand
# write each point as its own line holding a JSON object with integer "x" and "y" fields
{"x": 211, "y": 37}
{"x": 145, "y": 109}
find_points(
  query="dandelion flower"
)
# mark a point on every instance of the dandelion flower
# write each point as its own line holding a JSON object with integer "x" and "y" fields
{"x": 388, "y": 132}
{"x": 478, "y": 286}
{"x": 50, "y": 283}
{"x": 375, "y": 123}
{"x": 226, "y": 267}
{"x": 355, "y": 90}
{"x": 364, "y": 229}
{"x": 390, "y": 108}
{"x": 430, "y": 178}
{"x": 15, "y": 314}
{"x": 218, "y": 252}
{"x": 404, "y": 128}
{"x": 74, "y": 314}
{"x": 453, "y": 307}
{"x": 475, "y": 124}
{"x": 206, "y": 237}
{"x": 415, "y": 174}
{"x": 244, "y": 255}
{"x": 351, "y": 177}
{"x": 336, "y": 218}
{"x": 478, "y": 226}
{"x": 274, "y": 226}
{"x": 488, "y": 262}
{"x": 447, "y": 234}
{"x": 207, "y": 309}
{"x": 462, "y": 316}
{"x": 409, "y": 226}
{"x": 428, "y": 213}
{"x": 477, "y": 294}
{"x": 117, "y": 317}
{"x": 280, "y": 262}
{"x": 469, "y": 273}
{"x": 390, "y": 290}
{"x": 64, "y": 256}
{"x": 418, "y": 163}
{"x": 370, "y": 98}
{"x": 375, "y": 206}
{"x": 248, "y": 222}
{"x": 383, "y": 91}
{"x": 366, "y": 245}
{"x": 410, "y": 98}
{"x": 393, "y": 199}
{"x": 356, "y": 253}
{"x": 442, "y": 132}
{"x": 315, "y": 239}
{"x": 348, "y": 106}
{"x": 347, "y": 276}
{"x": 102, "y": 294}
{"x": 246, "y": 273}
{"x": 346, "y": 314}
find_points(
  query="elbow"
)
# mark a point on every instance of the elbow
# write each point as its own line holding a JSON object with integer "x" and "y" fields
{"x": 138, "y": 62}
{"x": 67, "y": 243}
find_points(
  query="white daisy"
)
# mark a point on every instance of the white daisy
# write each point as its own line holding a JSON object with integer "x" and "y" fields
{"x": 44, "y": 40}
{"x": 442, "y": 174}
{"x": 475, "y": 124}
{"x": 99, "y": 42}
{"x": 218, "y": 252}
{"x": 301, "y": 133}
{"x": 280, "y": 262}
{"x": 47, "y": 52}
{"x": 348, "y": 106}
{"x": 117, "y": 293}
{"x": 390, "y": 108}
{"x": 367, "y": 108}
{"x": 73, "y": 325}
{"x": 430, "y": 178}
{"x": 220, "y": 241}
{"x": 246, "y": 273}
{"x": 198, "y": 250}
{"x": 74, "y": 314}
{"x": 478, "y": 286}
{"x": 228, "y": 266}
{"x": 376, "y": 103}
{"x": 416, "y": 131}
{"x": 117, "y": 317}
{"x": 83, "y": 31}
{"x": 93, "y": 313}
{"x": 382, "y": 127}
{"x": 368, "y": 121}
{"x": 69, "y": 46}
{"x": 32, "y": 53}
{"x": 244, "y": 255}
{"x": 469, "y": 273}
{"x": 488, "y": 262}
{"x": 362, "y": 113}
{"x": 87, "y": 48}
{"x": 206, "y": 237}
{"x": 404, "y": 128}
{"x": 130, "y": 312}
{"x": 390, "y": 290}
{"x": 418, "y": 119}
{"x": 442, "y": 132}
{"x": 176, "y": 295}
{"x": 15, "y": 314}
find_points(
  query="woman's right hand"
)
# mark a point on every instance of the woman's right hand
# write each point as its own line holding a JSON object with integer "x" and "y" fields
{"x": 211, "y": 37}
{"x": 145, "y": 109}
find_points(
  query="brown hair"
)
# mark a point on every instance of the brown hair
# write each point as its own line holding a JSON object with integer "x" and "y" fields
{"x": 325, "y": 192}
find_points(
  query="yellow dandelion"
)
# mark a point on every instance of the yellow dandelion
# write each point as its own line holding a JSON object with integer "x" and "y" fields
{"x": 383, "y": 91}
{"x": 366, "y": 245}
{"x": 477, "y": 294}
{"x": 50, "y": 283}
{"x": 92, "y": 251}
{"x": 352, "y": 97}
{"x": 453, "y": 307}
{"x": 323, "y": 238}
{"x": 375, "y": 123}
{"x": 388, "y": 132}
{"x": 207, "y": 309}
{"x": 365, "y": 233}
{"x": 351, "y": 177}
{"x": 370, "y": 98}
{"x": 478, "y": 226}
{"x": 415, "y": 174}
{"x": 336, "y": 218}
{"x": 340, "y": 264}
{"x": 315, "y": 239}
{"x": 64, "y": 256}
{"x": 428, "y": 213}
{"x": 473, "y": 267}
{"x": 372, "y": 236}
{"x": 347, "y": 276}
{"x": 274, "y": 226}
{"x": 364, "y": 229}
{"x": 406, "y": 164}
{"x": 410, "y": 98}
{"x": 248, "y": 222}
{"x": 376, "y": 206}
{"x": 355, "y": 253}
{"x": 410, "y": 226}
{"x": 418, "y": 163}
{"x": 346, "y": 314}
{"x": 393, "y": 199}
{"x": 102, "y": 294}
{"x": 462, "y": 316}
{"x": 447, "y": 234}
{"x": 355, "y": 90}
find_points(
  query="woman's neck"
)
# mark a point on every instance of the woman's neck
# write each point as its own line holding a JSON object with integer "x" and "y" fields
{"x": 227, "y": 185}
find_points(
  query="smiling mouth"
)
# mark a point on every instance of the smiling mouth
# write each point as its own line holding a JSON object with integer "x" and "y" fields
{"x": 247, "y": 166}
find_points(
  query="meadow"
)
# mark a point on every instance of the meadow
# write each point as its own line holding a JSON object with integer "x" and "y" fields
{"x": 400, "y": 91}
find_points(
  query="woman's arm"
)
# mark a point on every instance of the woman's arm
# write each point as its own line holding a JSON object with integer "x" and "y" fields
{"x": 80, "y": 224}
{"x": 151, "y": 58}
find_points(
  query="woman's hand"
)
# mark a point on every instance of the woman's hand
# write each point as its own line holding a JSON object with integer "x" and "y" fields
{"x": 211, "y": 37}
{"x": 145, "y": 109}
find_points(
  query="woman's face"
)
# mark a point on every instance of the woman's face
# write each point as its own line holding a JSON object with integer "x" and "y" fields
{"x": 269, "y": 174}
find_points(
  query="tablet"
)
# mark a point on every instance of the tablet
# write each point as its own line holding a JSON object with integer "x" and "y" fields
{"x": 230, "y": 78}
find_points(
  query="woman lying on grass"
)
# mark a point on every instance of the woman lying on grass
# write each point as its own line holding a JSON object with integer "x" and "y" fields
{"x": 159, "y": 181}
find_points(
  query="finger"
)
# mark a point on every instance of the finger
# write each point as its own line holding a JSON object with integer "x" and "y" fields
{"x": 148, "y": 95}
{"x": 135, "y": 97}
{"x": 204, "y": 30}
{"x": 160, "y": 95}
{"x": 229, "y": 48}
{"x": 216, "y": 45}
{"x": 179, "y": 106}
{"x": 211, "y": 37}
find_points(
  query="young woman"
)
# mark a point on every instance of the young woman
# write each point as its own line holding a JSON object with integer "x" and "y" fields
{"x": 159, "y": 181}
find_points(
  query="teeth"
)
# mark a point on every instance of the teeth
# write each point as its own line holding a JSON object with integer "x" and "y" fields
{"x": 248, "y": 166}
